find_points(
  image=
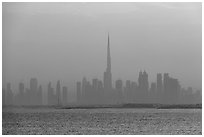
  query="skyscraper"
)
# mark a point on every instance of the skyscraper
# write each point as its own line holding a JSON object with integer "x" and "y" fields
{"x": 33, "y": 91}
{"x": 107, "y": 79}
{"x": 79, "y": 92}
{"x": 84, "y": 92}
{"x": 65, "y": 93}
{"x": 159, "y": 88}
{"x": 128, "y": 91}
{"x": 165, "y": 87}
{"x": 9, "y": 95}
{"x": 21, "y": 94}
{"x": 52, "y": 98}
{"x": 143, "y": 87}
{"x": 119, "y": 90}
{"x": 100, "y": 92}
{"x": 33, "y": 84}
{"x": 39, "y": 95}
{"x": 95, "y": 90}
{"x": 95, "y": 84}
{"x": 3, "y": 96}
{"x": 152, "y": 93}
{"x": 49, "y": 95}
{"x": 58, "y": 93}
{"x": 171, "y": 89}
{"x": 107, "y": 73}
{"x": 146, "y": 83}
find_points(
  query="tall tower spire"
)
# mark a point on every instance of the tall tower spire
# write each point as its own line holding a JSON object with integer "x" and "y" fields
{"x": 108, "y": 56}
{"x": 107, "y": 74}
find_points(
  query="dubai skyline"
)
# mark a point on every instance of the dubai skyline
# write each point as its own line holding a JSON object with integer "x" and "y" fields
{"x": 144, "y": 36}
{"x": 102, "y": 68}
{"x": 165, "y": 90}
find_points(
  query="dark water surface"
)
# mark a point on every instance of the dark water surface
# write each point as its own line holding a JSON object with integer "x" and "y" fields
{"x": 101, "y": 121}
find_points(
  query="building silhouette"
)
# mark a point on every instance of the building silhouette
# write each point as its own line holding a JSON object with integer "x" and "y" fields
{"x": 159, "y": 88}
{"x": 165, "y": 90}
{"x": 58, "y": 90}
{"x": 197, "y": 97}
{"x": 153, "y": 93}
{"x": 127, "y": 90}
{"x": 79, "y": 94}
{"x": 143, "y": 87}
{"x": 52, "y": 97}
{"x": 39, "y": 96}
{"x": 100, "y": 95}
{"x": 171, "y": 90}
{"x": 33, "y": 91}
{"x": 3, "y": 97}
{"x": 93, "y": 92}
{"x": 65, "y": 95}
{"x": 146, "y": 86}
{"x": 107, "y": 79}
{"x": 27, "y": 97}
{"x": 134, "y": 92}
{"x": 21, "y": 95}
{"x": 84, "y": 93}
{"x": 119, "y": 91}
{"x": 9, "y": 95}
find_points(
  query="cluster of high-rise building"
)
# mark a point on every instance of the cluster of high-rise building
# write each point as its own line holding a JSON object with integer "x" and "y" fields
{"x": 33, "y": 96}
{"x": 28, "y": 96}
{"x": 166, "y": 90}
{"x": 57, "y": 98}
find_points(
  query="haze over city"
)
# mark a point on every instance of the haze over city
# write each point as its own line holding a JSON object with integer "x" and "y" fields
{"x": 67, "y": 41}
{"x": 89, "y": 68}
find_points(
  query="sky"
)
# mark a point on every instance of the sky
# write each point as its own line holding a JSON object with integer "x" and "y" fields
{"x": 68, "y": 41}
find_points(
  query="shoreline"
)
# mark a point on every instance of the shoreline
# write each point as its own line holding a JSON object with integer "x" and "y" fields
{"x": 129, "y": 105}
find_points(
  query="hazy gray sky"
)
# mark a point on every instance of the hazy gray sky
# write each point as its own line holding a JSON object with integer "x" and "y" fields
{"x": 67, "y": 41}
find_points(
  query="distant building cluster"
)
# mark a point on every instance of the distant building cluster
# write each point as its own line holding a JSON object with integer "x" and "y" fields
{"x": 31, "y": 96}
{"x": 166, "y": 90}
{"x": 56, "y": 98}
